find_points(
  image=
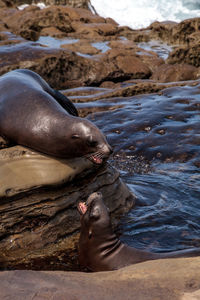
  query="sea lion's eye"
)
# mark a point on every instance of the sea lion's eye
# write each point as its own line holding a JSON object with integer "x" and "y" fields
{"x": 75, "y": 136}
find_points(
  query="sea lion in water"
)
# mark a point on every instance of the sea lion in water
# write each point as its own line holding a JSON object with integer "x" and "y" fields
{"x": 99, "y": 247}
{"x": 34, "y": 115}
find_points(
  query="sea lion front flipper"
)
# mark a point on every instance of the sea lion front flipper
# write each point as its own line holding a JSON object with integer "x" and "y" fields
{"x": 65, "y": 103}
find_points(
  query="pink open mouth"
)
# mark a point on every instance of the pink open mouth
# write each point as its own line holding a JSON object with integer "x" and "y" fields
{"x": 82, "y": 207}
{"x": 96, "y": 159}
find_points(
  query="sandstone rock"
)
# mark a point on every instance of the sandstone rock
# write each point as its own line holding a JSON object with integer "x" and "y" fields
{"x": 188, "y": 55}
{"x": 109, "y": 89}
{"x": 176, "y": 279}
{"x": 82, "y": 46}
{"x": 124, "y": 65}
{"x": 32, "y": 20}
{"x": 94, "y": 31}
{"x": 162, "y": 30}
{"x": 60, "y": 68}
{"x": 52, "y": 31}
{"x": 149, "y": 58}
{"x": 185, "y": 31}
{"x": 176, "y": 72}
{"x": 72, "y": 3}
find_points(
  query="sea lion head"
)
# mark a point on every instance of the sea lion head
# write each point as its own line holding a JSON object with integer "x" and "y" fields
{"x": 96, "y": 233}
{"x": 87, "y": 140}
{"x": 95, "y": 216}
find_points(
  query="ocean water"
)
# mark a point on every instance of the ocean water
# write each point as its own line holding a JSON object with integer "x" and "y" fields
{"x": 156, "y": 144}
{"x": 140, "y": 14}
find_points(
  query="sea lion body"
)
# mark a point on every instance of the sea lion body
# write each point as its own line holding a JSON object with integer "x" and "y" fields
{"x": 34, "y": 115}
{"x": 99, "y": 247}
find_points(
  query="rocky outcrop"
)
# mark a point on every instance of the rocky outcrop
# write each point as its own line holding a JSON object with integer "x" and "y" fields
{"x": 188, "y": 55}
{"x": 39, "y": 220}
{"x": 175, "y": 72}
{"x": 32, "y": 20}
{"x": 96, "y": 49}
{"x": 183, "y": 33}
{"x": 63, "y": 68}
{"x": 176, "y": 279}
{"x": 72, "y": 3}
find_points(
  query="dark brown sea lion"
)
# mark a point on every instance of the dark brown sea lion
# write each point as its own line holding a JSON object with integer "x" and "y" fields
{"x": 32, "y": 114}
{"x": 99, "y": 247}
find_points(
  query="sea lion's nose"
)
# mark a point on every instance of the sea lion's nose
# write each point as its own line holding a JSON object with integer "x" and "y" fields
{"x": 107, "y": 149}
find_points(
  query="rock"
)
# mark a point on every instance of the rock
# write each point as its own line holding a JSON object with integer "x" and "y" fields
{"x": 109, "y": 89}
{"x": 149, "y": 58}
{"x": 39, "y": 220}
{"x": 52, "y": 31}
{"x": 185, "y": 31}
{"x": 116, "y": 66}
{"x": 162, "y": 30}
{"x": 94, "y": 31}
{"x": 62, "y": 68}
{"x": 72, "y": 3}
{"x": 176, "y": 72}
{"x": 30, "y": 22}
{"x": 82, "y": 46}
{"x": 188, "y": 55}
{"x": 176, "y": 279}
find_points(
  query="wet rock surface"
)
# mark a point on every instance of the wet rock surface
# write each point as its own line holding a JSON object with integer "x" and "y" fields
{"x": 95, "y": 50}
{"x": 176, "y": 279}
{"x": 39, "y": 219}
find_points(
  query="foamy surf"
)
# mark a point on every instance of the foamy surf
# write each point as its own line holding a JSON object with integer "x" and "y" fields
{"x": 140, "y": 14}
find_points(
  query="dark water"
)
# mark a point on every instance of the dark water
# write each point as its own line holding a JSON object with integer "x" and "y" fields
{"x": 156, "y": 139}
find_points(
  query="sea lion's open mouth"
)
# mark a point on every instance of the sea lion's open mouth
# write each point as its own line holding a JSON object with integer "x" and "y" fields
{"x": 96, "y": 158}
{"x": 82, "y": 207}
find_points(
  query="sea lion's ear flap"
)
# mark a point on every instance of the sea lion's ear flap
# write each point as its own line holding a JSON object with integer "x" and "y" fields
{"x": 95, "y": 213}
{"x": 90, "y": 233}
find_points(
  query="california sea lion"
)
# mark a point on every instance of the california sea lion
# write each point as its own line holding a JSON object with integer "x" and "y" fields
{"x": 32, "y": 114}
{"x": 99, "y": 247}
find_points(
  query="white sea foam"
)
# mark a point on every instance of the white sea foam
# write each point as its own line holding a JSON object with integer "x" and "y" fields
{"x": 41, "y": 5}
{"x": 139, "y": 14}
